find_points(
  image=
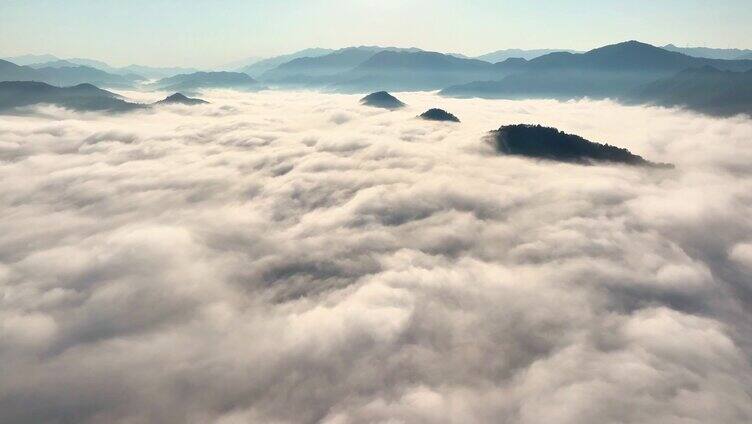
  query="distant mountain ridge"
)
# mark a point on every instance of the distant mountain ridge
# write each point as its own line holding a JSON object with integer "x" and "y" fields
{"x": 707, "y": 90}
{"x": 15, "y": 95}
{"x": 154, "y": 72}
{"x": 65, "y": 75}
{"x": 82, "y": 97}
{"x": 502, "y": 55}
{"x": 629, "y": 55}
{"x": 609, "y": 71}
{"x": 59, "y": 63}
{"x": 28, "y": 59}
{"x": 48, "y": 60}
{"x": 199, "y": 80}
{"x": 258, "y": 68}
{"x": 603, "y": 72}
{"x": 420, "y": 70}
{"x": 711, "y": 53}
{"x": 323, "y": 70}
{"x": 631, "y": 71}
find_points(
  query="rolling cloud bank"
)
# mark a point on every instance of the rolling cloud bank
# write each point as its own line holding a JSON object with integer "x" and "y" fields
{"x": 294, "y": 257}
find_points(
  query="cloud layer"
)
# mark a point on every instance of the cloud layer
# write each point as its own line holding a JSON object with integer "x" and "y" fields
{"x": 296, "y": 257}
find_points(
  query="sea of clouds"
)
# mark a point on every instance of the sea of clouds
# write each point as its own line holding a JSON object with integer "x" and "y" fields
{"x": 294, "y": 257}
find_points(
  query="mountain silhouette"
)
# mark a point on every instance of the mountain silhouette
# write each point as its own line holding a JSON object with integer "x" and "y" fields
{"x": 180, "y": 98}
{"x": 82, "y": 97}
{"x": 154, "y": 72}
{"x": 96, "y": 64}
{"x": 135, "y": 72}
{"x": 201, "y": 80}
{"x": 64, "y": 75}
{"x": 60, "y": 63}
{"x": 629, "y": 56}
{"x": 29, "y": 59}
{"x": 68, "y": 76}
{"x": 540, "y": 142}
{"x": 383, "y": 100}
{"x": 711, "y": 53}
{"x": 322, "y": 70}
{"x": 609, "y": 71}
{"x": 438, "y": 115}
{"x": 502, "y": 55}
{"x": 421, "y": 60}
{"x": 406, "y": 70}
{"x": 707, "y": 90}
{"x": 258, "y": 68}
{"x": 9, "y": 71}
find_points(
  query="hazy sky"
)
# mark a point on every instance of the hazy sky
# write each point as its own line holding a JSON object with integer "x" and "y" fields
{"x": 210, "y": 33}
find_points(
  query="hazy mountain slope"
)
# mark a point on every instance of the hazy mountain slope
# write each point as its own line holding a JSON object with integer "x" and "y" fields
{"x": 46, "y": 60}
{"x": 604, "y": 72}
{"x": 401, "y": 70}
{"x": 9, "y": 71}
{"x": 630, "y": 56}
{"x": 501, "y": 55}
{"x": 152, "y": 72}
{"x": 53, "y": 64}
{"x": 199, "y": 80}
{"x": 64, "y": 75}
{"x": 98, "y": 64}
{"x": 67, "y": 76}
{"x": 83, "y": 97}
{"x": 258, "y": 68}
{"x": 130, "y": 73}
{"x": 29, "y": 59}
{"x": 711, "y": 53}
{"x": 322, "y": 70}
{"x": 706, "y": 90}
{"x": 238, "y": 65}
{"x": 564, "y": 84}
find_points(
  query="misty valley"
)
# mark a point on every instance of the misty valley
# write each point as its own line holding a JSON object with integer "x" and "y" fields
{"x": 379, "y": 235}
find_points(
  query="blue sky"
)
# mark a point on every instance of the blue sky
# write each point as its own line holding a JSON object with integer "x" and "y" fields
{"x": 208, "y": 33}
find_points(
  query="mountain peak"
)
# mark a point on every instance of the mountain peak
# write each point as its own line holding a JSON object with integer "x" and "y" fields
{"x": 177, "y": 96}
{"x": 180, "y": 98}
{"x": 438, "y": 115}
{"x": 383, "y": 100}
{"x": 86, "y": 86}
{"x": 631, "y": 45}
{"x": 536, "y": 141}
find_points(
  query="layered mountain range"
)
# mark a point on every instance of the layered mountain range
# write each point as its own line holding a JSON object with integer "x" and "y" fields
{"x": 15, "y": 95}
{"x": 631, "y": 72}
{"x": 68, "y": 75}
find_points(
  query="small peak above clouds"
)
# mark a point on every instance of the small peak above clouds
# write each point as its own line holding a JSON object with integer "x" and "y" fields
{"x": 382, "y": 99}
{"x": 180, "y": 98}
{"x": 438, "y": 115}
{"x": 540, "y": 142}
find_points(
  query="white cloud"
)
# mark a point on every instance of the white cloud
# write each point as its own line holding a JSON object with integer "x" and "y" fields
{"x": 295, "y": 257}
